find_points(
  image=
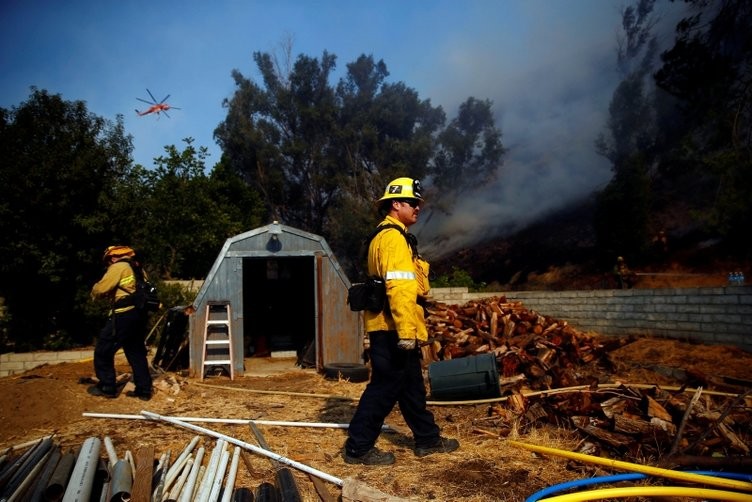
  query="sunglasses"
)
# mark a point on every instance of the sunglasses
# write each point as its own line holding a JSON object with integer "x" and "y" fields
{"x": 413, "y": 203}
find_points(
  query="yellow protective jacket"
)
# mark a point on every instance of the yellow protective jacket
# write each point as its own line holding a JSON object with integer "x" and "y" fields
{"x": 391, "y": 258}
{"x": 118, "y": 282}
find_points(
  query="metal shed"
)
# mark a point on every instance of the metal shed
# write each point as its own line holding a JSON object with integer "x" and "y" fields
{"x": 286, "y": 292}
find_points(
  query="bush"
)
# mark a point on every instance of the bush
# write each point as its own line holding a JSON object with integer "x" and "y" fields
{"x": 457, "y": 279}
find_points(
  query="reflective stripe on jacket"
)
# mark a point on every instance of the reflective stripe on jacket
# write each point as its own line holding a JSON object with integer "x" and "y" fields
{"x": 118, "y": 282}
{"x": 390, "y": 257}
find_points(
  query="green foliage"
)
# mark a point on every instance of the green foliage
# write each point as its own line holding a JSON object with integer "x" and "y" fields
{"x": 68, "y": 189}
{"x": 458, "y": 278}
{"x": 59, "y": 163}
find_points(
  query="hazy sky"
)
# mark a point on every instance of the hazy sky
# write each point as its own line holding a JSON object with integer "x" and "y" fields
{"x": 548, "y": 66}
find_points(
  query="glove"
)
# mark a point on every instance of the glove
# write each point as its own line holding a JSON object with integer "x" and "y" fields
{"x": 407, "y": 344}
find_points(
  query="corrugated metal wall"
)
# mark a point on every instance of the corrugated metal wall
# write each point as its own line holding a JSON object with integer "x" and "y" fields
{"x": 338, "y": 331}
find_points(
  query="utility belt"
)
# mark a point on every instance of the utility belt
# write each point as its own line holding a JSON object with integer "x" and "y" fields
{"x": 124, "y": 301}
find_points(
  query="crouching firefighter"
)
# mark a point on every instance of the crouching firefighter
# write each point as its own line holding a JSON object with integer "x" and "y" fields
{"x": 395, "y": 334}
{"x": 125, "y": 327}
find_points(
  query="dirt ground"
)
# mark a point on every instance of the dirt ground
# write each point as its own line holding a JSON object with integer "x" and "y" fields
{"x": 52, "y": 400}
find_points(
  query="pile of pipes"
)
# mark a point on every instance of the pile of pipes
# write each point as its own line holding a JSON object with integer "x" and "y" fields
{"x": 41, "y": 471}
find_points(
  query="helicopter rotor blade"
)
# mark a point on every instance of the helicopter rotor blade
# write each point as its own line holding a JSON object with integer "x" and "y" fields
{"x": 147, "y": 102}
{"x": 165, "y": 99}
{"x": 166, "y": 115}
{"x": 154, "y": 100}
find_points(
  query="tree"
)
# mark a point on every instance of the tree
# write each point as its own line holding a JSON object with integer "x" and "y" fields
{"x": 709, "y": 71}
{"x": 631, "y": 142}
{"x": 279, "y": 137}
{"x": 183, "y": 216}
{"x": 469, "y": 151}
{"x": 321, "y": 154}
{"x": 59, "y": 163}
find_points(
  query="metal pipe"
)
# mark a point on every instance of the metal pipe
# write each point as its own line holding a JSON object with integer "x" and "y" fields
{"x": 21, "y": 470}
{"x": 82, "y": 478}
{"x": 21, "y": 446}
{"x": 122, "y": 481}
{"x": 187, "y": 492}
{"x": 248, "y": 446}
{"x": 232, "y": 475}
{"x": 10, "y": 471}
{"x": 24, "y": 483}
{"x": 46, "y": 474}
{"x": 59, "y": 480}
{"x": 219, "y": 476}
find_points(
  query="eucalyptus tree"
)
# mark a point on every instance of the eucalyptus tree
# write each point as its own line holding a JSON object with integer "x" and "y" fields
{"x": 320, "y": 153}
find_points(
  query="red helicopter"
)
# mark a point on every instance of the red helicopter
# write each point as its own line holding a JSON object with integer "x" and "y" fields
{"x": 156, "y": 107}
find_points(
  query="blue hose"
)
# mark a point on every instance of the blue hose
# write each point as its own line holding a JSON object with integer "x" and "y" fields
{"x": 615, "y": 478}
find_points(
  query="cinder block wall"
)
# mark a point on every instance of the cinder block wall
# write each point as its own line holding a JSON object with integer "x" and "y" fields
{"x": 709, "y": 315}
{"x": 14, "y": 363}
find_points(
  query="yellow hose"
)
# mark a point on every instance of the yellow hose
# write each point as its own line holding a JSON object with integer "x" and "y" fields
{"x": 645, "y": 469}
{"x": 651, "y": 491}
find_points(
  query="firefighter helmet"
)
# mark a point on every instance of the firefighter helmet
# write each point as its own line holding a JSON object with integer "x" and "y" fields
{"x": 118, "y": 252}
{"x": 403, "y": 188}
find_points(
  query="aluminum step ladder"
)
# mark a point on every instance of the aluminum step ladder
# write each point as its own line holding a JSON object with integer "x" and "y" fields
{"x": 218, "y": 354}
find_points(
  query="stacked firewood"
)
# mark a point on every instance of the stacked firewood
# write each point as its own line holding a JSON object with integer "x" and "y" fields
{"x": 553, "y": 373}
{"x": 546, "y": 351}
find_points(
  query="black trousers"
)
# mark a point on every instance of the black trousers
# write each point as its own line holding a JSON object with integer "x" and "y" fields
{"x": 395, "y": 378}
{"x": 126, "y": 330}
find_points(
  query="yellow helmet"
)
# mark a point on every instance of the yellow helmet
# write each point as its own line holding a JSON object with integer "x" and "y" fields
{"x": 118, "y": 252}
{"x": 403, "y": 188}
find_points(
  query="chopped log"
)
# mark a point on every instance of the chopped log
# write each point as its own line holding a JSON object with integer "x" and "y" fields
{"x": 631, "y": 425}
{"x": 611, "y": 438}
{"x": 656, "y": 410}
{"x": 613, "y": 406}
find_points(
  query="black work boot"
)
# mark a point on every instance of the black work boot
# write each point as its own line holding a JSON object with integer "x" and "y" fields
{"x": 102, "y": 391}
{"x": 374, "y": 456}
{"x": 143, "y": 395}
{"x": 442, "y": 445}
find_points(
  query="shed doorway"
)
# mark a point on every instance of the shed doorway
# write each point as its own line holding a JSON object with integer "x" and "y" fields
{"x": 279, "y": 306}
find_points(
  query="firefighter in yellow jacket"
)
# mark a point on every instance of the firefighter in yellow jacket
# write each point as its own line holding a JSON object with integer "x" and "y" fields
{"x": 394, "y": 335}
{"x": 125, "y": 327}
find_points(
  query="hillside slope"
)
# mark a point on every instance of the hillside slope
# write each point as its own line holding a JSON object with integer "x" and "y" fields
{"x": 559, "y": 252}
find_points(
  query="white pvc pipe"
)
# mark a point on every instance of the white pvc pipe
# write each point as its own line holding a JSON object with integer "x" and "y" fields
{"x": 239, "y": 421}
{"x": 201, "y": 473}
{"x": 248, "y": 446}
{"x": 111, "y": 454}
{"x": 82, "y": 478}
{"x": 178, "y": 465}
{"x": 205, "y": 486}
{"x": 187, "y": 491}
{"x": 163, "y": 466}
{"x": 231, "y": 476}
{"x": 173, "y": 472}
{"x": 219, "y": 476}
{"x": 175, "y": 492}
